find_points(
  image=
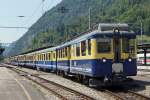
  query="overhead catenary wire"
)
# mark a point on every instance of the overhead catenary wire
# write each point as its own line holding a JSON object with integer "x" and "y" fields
{"x": 35, "y": 11}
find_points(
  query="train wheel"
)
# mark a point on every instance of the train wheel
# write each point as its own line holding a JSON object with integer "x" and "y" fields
{"x": 85, "y": 80}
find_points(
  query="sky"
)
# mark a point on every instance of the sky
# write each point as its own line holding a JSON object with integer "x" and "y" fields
{"x": 10, "y": 10}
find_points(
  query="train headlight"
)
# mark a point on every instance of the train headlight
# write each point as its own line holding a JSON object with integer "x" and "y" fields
{"x": 104, "y": 60}
{"x": 130, "y": 59}
{"x": 116, "y": 30}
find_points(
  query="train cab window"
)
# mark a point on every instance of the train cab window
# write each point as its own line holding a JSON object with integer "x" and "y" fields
{"x": 78, "y": 49}
{"x": 103, "y": 45}
{"x": 89, "y": 46}
{"x": 125, "y": 45}
{"x": 83, "y": 48}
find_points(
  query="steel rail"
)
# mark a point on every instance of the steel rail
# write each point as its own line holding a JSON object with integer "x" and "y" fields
{"x": 28, "y": 76}
{"x": 116, "y": 96}
{"x": 140, "y": 96}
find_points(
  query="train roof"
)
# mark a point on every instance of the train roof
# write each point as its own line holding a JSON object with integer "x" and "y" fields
{"x": 111, "y": 26}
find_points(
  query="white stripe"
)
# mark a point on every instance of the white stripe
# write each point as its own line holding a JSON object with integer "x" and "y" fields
{"x": 23, "y": 88}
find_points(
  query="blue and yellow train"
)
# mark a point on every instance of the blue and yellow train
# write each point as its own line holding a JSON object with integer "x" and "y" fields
{"x": 106, "y": 54}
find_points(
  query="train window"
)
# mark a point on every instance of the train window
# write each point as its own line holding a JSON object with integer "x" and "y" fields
{"x": 42, "y": 57}
{"x": 63, "y": 51}
{"x": 89, "y": 47}
{"x": 78, "y": 49}
{"x": 54, "y": 55}
{"x": 125, "y": 45}
{"x": 73, "y": 50}
{"x": 83, "y": 48}
{"x": 47, "y": 56}
{"x": 66, "y": 52}
{"x": 39, "y": 57}
{"x": 103, "y": 45}
{"x": 59, "y": 53}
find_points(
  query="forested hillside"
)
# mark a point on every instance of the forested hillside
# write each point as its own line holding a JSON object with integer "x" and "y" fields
{"x": 70, "y": 17}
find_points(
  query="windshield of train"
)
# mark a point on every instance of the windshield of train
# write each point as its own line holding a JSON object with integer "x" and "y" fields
{"x": 128, "y": 45}
{"x": 103, "y": 45}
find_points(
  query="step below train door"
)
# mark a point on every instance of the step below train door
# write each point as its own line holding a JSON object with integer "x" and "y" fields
{"x": 117, "y": 66}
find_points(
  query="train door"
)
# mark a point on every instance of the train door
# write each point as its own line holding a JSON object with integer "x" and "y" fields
{"x": 117, "y": 50}
{"x": 117, "y": 66}
{"x": 69, "y": 56}
{"x": 57, "y": 55}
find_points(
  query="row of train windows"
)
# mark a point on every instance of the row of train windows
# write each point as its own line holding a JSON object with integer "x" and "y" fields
{"x": 47, "y": 56}
{"x": 84, "y": 45}
{"x": 103, "y": 46}
{"x": 62, "y": 53}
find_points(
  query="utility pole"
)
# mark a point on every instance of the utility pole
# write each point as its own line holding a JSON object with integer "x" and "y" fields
{"x": 141, "y": 31}
{"x": 90, "y": 18}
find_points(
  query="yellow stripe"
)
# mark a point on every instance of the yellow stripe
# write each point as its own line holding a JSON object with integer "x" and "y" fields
{"x": 23, "y": 88}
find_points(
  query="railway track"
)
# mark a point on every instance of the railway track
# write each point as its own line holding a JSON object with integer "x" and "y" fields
{"x": 62, "y": 92}
{"x": 127, "y": 95}
{"x": 65, "y": 93}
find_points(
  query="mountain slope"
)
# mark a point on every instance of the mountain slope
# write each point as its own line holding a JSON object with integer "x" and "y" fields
{"x": 70, "y": 17}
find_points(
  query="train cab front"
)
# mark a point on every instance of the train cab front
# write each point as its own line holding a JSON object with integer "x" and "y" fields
{"x": 124, "y": 61}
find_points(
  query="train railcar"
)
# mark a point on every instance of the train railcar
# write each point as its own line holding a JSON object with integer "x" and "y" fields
{"x": 104, "y": 55}
{"x": 46, "y": 59}
{"x": 29, "y": 60}
{"x": 14, "y": 60}
{"x": 21, "y": 60}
